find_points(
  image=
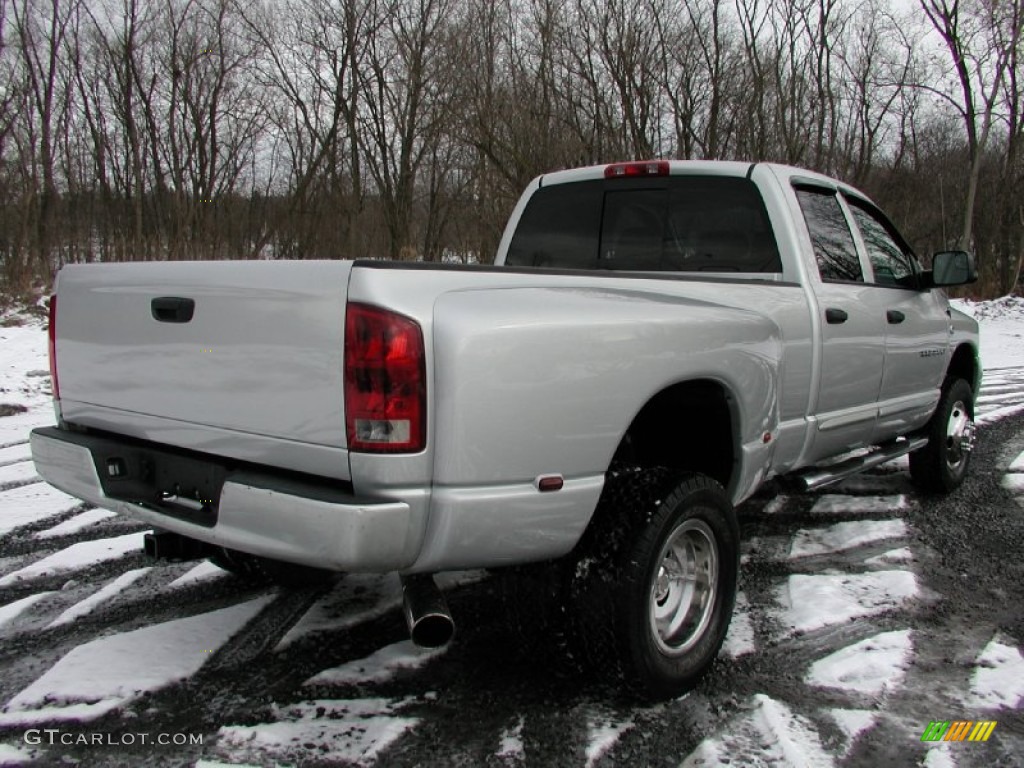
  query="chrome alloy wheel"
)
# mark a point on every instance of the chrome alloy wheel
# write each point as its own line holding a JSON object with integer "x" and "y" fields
{"x": 683, "y": 587}
{"x": 959, "y": 436}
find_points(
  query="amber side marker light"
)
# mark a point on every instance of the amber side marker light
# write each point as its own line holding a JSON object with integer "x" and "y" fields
{"x": 550, "y": 483}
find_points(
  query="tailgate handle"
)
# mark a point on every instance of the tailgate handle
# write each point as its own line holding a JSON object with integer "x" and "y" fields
{"x": 172, "y": 309}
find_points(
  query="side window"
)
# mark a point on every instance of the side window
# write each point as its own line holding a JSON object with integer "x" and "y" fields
{"x": 559, "y": 228}
{"x": 830, "y": 235}
{"x": 891, "y": 259}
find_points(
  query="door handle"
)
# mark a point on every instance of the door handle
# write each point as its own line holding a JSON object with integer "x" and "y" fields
{"x": 835, "y": 316}
{"x": 895, "y": 317}
{"x": 172, "y": 309}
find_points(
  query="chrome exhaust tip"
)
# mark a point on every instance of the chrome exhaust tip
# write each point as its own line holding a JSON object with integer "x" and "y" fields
{"x": 426, "y": 612}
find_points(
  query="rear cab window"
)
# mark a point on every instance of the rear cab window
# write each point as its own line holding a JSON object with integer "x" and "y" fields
{"x": 687, "y": 223}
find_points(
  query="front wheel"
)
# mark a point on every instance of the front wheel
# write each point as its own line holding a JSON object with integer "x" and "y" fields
{"x": 655, "y": 580}
{"x": 941, "y": 466}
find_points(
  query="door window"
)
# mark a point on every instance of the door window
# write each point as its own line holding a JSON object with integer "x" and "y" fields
{"x": 891, "y": 259}
{"x": 833, "y": 243}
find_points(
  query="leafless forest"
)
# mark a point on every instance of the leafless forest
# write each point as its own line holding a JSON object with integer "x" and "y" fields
{"x": 216, "y": 129}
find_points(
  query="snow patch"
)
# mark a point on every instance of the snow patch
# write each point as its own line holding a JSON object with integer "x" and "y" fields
{"x": 1013, "y": 482}
{"x": 1006, "y": 394}
{"x": 14, "y": 429}
{"x": 739, "y": 640}
{"x": 997, "y": 414}
{"x": 939, "y": 756}
{"x": 834, "y": 503}
{"x": 77, "y": 556}
{"x": 998, "y": 680}
{"x": 107, "y": 673}
{"x": 91, "y": 603}
{"x": 205, "y": 571}
{"x": 77, "y": 523}
{"x": 873, "y": 666}
{"x": 32, "y": 504}
{"x": 11, "y": 756}
{"x": 510, "y": 748}
{"x": 812, "y": 602}
{"x": 18, "y": 473}
{"x": 346, "y": 731}
{"x": 841, "y": 536}
{"x": 72, "y": 713}
{"x": 15, "y": 453}
{"x": 379, "y": 666}
{"x": 11, "y": 611}
{"x": 892, "y": 557}
{"x": 770, "y": 735}
{"x": 853, "y": 722}
{"x": 602, "y": 734}
{"x": 1017, "y": 465}
{"x": 1002, "y": 326}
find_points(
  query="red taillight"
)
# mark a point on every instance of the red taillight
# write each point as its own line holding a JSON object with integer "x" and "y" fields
{"x": 51, "y": 332}
{"x": 629, "y": 170}
{"x": 385, "y": 381}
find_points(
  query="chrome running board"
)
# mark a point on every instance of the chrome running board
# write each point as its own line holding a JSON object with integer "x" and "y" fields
{"x": 818, "y": 477}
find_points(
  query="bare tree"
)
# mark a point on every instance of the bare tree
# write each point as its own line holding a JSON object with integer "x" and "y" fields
{"x": 41, "y": 31}
{"x": 979, "y": 60}
{"x": 404, "y": 105}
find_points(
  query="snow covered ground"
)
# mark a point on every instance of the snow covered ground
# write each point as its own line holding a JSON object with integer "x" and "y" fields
{"x": 839, "y": 607}
{"x": 1002, "y": 330}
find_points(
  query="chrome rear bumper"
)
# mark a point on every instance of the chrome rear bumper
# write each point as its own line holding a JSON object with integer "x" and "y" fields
{"x": 300, "y": 522}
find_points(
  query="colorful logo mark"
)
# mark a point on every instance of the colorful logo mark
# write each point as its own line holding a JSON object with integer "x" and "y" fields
{"x": 958, "y": 730}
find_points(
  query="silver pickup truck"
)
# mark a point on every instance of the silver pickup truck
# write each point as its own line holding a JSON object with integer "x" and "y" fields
{"x": 654, "y": 342}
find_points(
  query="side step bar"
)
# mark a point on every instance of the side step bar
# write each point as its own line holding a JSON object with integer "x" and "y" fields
{"x": 818, "y": 477}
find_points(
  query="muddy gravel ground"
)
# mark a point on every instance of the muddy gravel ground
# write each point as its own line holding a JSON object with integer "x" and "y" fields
{"x": 321, "y": 676}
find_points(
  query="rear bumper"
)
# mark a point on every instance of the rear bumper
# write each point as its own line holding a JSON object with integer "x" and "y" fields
{"x": 262, "y": 514}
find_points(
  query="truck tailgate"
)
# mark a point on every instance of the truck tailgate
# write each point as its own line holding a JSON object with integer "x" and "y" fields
{"x": 244, "y": 346}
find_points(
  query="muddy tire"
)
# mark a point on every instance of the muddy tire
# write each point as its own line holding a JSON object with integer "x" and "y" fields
{"x": 941, "y": 466}
{"x": 654, "y": 581}
{"x": 263, "y": 570}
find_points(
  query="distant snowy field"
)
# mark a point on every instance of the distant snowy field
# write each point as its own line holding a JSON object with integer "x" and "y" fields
{"x": 24, "y": 377}
{"x": 1002, "y": 330}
